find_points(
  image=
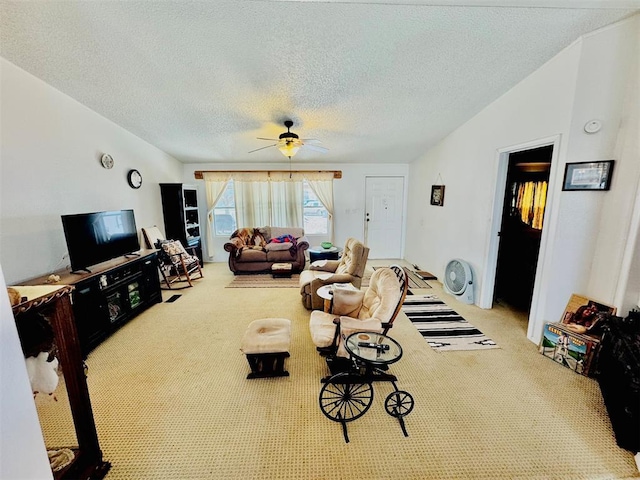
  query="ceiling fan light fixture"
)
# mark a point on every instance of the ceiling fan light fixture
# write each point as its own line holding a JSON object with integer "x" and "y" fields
{"x": 289, "y": 149}
{"x": 289, "y": 143}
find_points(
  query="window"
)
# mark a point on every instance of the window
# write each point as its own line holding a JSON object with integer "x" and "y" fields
{"x": 224, "y": 213}
{"x": 316, "y": 219}
{"x": 315, "y": 216}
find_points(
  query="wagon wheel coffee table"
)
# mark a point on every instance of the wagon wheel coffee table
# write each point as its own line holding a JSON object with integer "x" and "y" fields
{"x": 346, "y": 396}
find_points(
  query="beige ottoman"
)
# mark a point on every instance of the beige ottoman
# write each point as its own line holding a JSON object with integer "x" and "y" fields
{"x": 281, "y": 270}
{"x": 266, "y": 344}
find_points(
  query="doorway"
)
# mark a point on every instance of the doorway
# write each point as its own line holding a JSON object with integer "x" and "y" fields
{"x": 521, "y": 226}
{"x": 384, "y": 197}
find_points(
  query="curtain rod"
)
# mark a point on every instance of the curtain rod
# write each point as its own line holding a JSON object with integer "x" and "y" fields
{"x": 199, "y": 173}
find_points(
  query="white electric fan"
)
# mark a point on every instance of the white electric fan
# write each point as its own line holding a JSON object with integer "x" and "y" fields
{"x": 458, "y": 280}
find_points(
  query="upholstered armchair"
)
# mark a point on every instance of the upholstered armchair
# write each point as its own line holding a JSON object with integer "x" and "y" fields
{"x": 349, "y": 269}
{"x": 373, "y": 310}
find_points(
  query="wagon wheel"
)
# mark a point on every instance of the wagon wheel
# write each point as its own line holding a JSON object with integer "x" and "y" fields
{"x": 399, "y": 404}
{"x": 345, "y": 402}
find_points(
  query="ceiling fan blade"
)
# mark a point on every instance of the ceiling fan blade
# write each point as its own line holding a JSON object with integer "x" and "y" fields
{"x": 270, "y": 139}
{"x": 315, "y": 148}
{"x": 262, "y": 148}
{"x": 311, "y": 140}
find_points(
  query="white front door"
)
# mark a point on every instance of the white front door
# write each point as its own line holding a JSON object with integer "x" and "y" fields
{"x": 383, "y": 216}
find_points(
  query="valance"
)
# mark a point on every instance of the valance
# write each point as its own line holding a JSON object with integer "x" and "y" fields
{"x": 267, "y": 175}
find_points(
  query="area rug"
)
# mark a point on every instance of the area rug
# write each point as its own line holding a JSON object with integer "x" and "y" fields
{"x": 443, "y": 328}
{"x": 414, "y": 280}
{"x": 264, "y": 280}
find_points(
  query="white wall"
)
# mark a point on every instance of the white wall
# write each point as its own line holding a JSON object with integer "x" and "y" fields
{"x": 466, "y": 162}
{"x": 50, "y": 151}
{"x": 585, "y": 81}
{"x": 615, "y": 274}
{"x": 22, "y": 451}
{"x": 348, "y": 194}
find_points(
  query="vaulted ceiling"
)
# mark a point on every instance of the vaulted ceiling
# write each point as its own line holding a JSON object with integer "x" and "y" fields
{"x": 374, "y": 81}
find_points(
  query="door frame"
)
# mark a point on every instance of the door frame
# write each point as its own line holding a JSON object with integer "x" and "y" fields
{"x": 491, "y": 255}
{"x": 403, "y": 222}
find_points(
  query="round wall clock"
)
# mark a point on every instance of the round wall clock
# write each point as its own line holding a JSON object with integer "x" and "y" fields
{"x": 106, "y": 160}
{"x": 134, "y": 178}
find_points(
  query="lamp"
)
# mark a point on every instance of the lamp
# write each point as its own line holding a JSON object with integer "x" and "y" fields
{"x": 289, "y": 148}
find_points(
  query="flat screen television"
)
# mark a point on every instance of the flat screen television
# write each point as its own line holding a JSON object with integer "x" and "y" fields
{"x": 99, "y": 236}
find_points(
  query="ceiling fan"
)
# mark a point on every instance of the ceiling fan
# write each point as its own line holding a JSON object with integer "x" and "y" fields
{"x": 289, "y": 143}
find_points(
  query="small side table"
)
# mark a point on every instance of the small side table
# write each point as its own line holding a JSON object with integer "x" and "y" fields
{"x": 326, "y": 293}
{"x": 319, "y": 253}
{"x": 374, "y": 349}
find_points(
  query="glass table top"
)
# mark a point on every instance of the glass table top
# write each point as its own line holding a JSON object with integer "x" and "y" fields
{"x": 374, "y": 348}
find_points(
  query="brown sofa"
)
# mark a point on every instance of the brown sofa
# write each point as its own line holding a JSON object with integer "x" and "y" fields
{"x": 255, "y": 250}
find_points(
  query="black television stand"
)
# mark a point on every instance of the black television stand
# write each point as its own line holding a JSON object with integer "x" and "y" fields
{"x": 113, "y": 293}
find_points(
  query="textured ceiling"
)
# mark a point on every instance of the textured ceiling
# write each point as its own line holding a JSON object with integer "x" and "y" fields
{"x": 374, "y": 81}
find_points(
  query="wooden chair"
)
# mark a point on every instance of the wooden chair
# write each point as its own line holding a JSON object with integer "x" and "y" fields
{"x": 174, "y": 262}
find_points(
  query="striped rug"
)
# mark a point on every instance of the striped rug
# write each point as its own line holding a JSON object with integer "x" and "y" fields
{"x": 443, "y": 328}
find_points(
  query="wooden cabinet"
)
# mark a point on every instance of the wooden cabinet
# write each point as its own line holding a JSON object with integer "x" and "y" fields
{"x": 619, "y": 378}
{"x": 54, "y": 303}
{"x": 182, "y": 215}
{"x": 114, "y": 293}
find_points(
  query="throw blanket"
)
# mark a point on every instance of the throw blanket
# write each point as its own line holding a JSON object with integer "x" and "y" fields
{"x": 290, "y": 239}
{"x": 251, "y": 239}
{"x": 283, "y": 239}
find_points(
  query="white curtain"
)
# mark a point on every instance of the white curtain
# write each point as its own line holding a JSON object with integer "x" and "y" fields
{"x": 286, "y": 199}
{"x": 253, "y": 205}
{"x": 322, "y": 185}
{"x": 215, "y": 184}
{"x": 268, "y": 198}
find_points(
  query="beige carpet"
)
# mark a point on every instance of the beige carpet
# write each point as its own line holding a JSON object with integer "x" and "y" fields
{"x": 171, "y": 401}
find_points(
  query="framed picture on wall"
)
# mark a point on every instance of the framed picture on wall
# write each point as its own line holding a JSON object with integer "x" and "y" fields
{"x": 588, "y": 175}
{"x": 437, "y": 195}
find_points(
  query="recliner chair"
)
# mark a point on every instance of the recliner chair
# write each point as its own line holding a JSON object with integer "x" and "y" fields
{"x": 374, "y": 309}
{"x": 349, "y": 269}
